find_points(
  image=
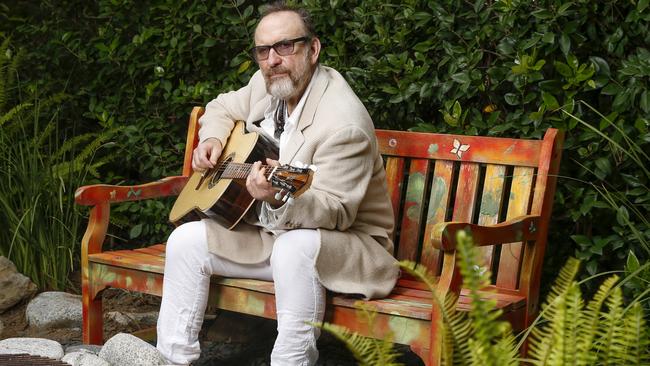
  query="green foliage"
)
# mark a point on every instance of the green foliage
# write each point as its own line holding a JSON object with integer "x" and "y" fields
{"x": 367, "y": 351}
{"x": 507, "y": 68}
{"x": 39, "y": 170}
{"x": 565, "y": 333}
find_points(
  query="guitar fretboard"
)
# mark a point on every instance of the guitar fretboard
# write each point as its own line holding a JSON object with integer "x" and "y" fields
{"x": 240, "y": 170}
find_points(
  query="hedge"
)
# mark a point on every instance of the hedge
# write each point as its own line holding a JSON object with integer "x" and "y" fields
{"x": 502, "y": 68}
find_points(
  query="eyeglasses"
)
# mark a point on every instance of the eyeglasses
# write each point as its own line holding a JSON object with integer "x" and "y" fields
{"x": 282, "y": 48}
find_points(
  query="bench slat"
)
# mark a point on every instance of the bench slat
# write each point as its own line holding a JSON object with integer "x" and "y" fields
{"x": 518, "y": 204}
{"x": 491, "y": 202}
{"x": 394, "y": 178}
{"x": 466, "y": 192}
{"x": 413, "y": 209}
{"x": 438, "y": 203}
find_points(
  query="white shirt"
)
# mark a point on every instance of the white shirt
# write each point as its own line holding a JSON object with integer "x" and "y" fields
{"x": 267, "y": 214}
{"x": 290, "y": 122}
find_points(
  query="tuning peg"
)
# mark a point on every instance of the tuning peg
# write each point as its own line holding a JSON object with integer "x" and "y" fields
{"x": 313, "y": 168}
{"x": 278, "y": 195}
{"x": 290, "y": 200}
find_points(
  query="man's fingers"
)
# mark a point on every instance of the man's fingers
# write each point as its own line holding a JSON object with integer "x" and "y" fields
{"x": 272, "y": 162}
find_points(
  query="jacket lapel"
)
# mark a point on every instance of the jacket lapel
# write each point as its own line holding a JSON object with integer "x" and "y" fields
{"x": 306, "y": 117}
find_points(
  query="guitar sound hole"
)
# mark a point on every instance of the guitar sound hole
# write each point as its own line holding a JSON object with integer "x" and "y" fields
{"x": 217, "y": 172}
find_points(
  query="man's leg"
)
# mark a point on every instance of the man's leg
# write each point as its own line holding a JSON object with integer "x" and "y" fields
{"x": 299, "y": 297}
{"x": 188, "y": 266}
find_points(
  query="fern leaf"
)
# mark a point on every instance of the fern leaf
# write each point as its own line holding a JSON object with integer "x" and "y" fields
{"x": 368, "y": 351}
{"x": 592, "y": 317}
{"x": 542, "y": 338}
{"x": 610, "y": 331}
{"x": 636, "y": 337}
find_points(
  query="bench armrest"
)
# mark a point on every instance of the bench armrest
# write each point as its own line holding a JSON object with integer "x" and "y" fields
{"x": 521, "y": 228}
{"x": 103, "y": 193}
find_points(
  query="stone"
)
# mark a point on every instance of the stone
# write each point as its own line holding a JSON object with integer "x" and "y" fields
{"x": 84, "y": 359}
{"x": 1, "y": 328}
{"x": 86, "y": 348}
{"x": 33, "y": 346}
{"x": 140, "y": 320}
{"x": 14, "y": 287}
{"x": 54, "y": 310}
{"x": 128, "y": 350}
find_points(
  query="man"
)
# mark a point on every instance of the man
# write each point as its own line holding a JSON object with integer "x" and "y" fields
{"x": 335, "y": 236}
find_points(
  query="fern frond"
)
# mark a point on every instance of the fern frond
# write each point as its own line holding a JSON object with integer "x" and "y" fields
{"x": 592, "y": 318}
{"x": 608, "y": 344}
{"x": 542, "y": 337}
{"x": 566, "y": 327}
{"x": 13, "y": 112}
{"x": 368, "y": 351}
{"x": 636, "y": 337}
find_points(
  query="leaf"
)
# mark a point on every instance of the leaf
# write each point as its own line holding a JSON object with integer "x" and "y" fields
{"x": 644, "y": 101}
{"x": 550, "y": 101}
{"x": 565, "y": 43}
{"x": 135, "y": 231}
{"x": 209, "y": 42}
{"x": 511, "y": 98}
{"x": 622, "y": 215}
{"x": 642, "y": 5}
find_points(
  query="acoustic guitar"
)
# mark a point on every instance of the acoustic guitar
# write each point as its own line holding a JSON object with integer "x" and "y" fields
{"x": 220, "y": 193}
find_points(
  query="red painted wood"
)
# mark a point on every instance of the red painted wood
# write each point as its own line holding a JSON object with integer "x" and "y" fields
{"x": 439, "y": 201}
{"x": 491, "y": 150}
{"x": 491, "y": 202}
{"x": 518, "y": 204}
{"x": 394, "y": 180}
{"x": 192, "y": 140}
{"x": 466, "y": 191}
{"x": 96, "y": 194}
{"x": 413, "y": 209}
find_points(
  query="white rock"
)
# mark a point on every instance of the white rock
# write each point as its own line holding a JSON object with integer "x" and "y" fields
{"x": 86, "y": 348}
{"x": 54, "y": 310}
{"x": 33, "y": 346}
{"x": 84, "y": 359}
{"x": 14, "y": 287}
{"x": 128, "y": 350}
{"x": 141, "y": 320}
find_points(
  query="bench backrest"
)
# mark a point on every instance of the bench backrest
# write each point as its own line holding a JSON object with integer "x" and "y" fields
{"x": 436, "y": 178}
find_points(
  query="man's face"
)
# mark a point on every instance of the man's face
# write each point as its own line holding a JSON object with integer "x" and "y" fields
{"x": 286, "y": 76}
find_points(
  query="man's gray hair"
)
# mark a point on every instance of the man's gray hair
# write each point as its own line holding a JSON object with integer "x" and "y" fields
{"x": 283, "y": 6}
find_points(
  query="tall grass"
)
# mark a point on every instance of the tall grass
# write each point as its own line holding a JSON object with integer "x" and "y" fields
{"x": 41, "y": 164}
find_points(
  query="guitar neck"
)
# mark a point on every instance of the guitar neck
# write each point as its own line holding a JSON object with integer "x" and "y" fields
{"x": 241, "y": 170}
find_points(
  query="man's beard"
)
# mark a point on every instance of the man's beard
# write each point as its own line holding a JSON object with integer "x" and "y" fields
{"x": 292, "y": 83}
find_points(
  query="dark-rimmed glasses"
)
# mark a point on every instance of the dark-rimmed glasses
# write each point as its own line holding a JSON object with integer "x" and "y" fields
{"x": 282, "y": 48}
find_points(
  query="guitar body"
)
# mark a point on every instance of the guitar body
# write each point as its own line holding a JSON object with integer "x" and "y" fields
{"x": 223, "y": 199}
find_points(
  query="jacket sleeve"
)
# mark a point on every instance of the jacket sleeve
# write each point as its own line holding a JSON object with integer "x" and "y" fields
{"x": 222, "y": 112}
{"x": 344, "y": 168}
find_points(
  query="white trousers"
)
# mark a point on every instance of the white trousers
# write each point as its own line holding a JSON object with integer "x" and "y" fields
{"x": 299, "y": 296}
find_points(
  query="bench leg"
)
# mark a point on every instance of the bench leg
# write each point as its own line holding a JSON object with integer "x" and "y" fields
{"x": 93, "y": 321}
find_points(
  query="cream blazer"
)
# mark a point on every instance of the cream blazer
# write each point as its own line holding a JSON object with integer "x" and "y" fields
{"x": 347, "y": 202}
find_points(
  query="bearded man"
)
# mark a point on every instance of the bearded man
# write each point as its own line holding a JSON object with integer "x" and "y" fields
{"x": 335, "y": 236}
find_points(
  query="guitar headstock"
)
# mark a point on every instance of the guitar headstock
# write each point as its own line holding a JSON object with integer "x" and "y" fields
{"x": 291, "y": 180}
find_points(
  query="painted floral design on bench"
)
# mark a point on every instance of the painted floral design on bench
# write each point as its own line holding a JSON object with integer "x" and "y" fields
{"x": 459, "y": 148}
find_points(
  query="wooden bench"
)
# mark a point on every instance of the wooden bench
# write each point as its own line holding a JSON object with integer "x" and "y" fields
{"x": 437, "y": 183}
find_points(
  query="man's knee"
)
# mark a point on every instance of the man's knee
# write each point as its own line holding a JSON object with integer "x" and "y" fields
{"x": 185, "y": 239}
{"x": 295, "y": 247}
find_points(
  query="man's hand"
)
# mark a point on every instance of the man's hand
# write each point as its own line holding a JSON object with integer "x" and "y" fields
{"x": 259, "y": 187}
{"x": 206, "y": 154}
